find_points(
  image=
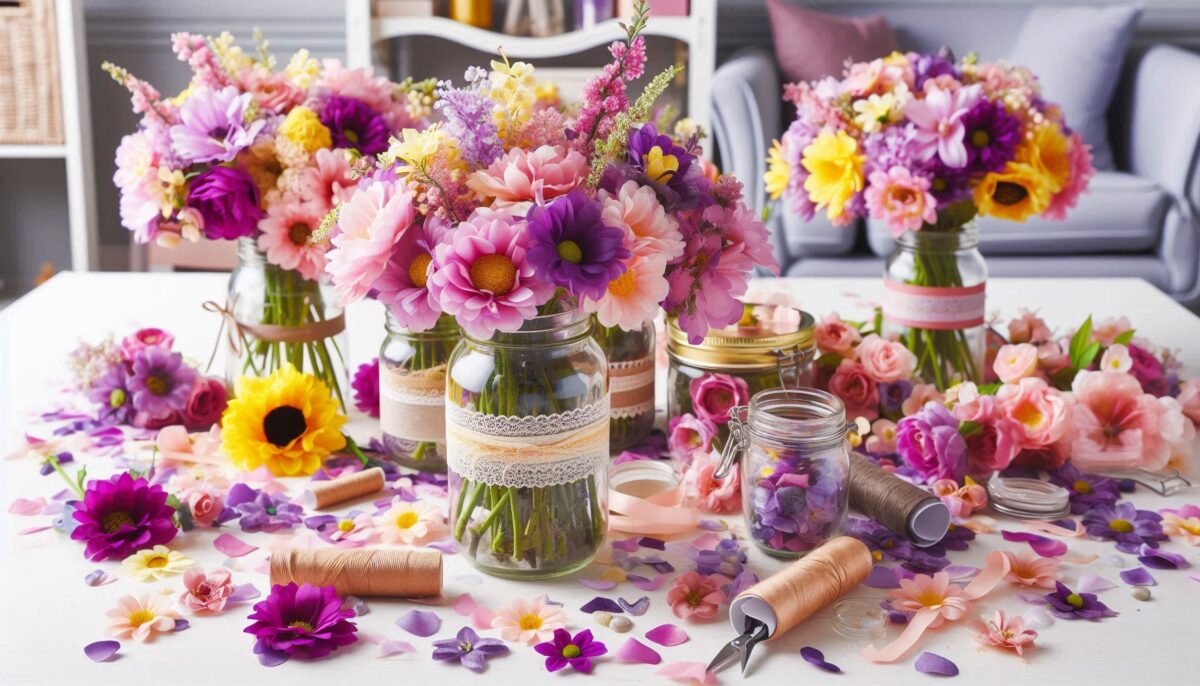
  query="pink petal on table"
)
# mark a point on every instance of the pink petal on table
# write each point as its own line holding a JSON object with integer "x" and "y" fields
{"x": 1037, "y": 618}
{"x": 233, "y": 546}
{"x": 1090, "y": 583}
{"x": 932, "y": 663}
{"x": 1041, "y": 545}
{"x": 464, "y": 605}
{"x": 26, "y": 507}
{"x": 1138, "y": 576}
{"x": 101, "y": 651}
{"x": 645, "y": 584}
{"x": 706, "y": 542}
{"x": 263, "y": 566}
{"x": 633, "y": 650}
{"x": 1033, "y": 598}
{"x": 53, "y": 508}
{"x": 958, "y": 572}
{"x": 1194, "y": 576}
{"x": 667, "y": 635}
{"x": 33, "y": 530}
{"x": 98, "y": 577}
{"x": 687, "y": 672}
{"x": 373, "y": 639}
{"x": 599, "y": 584}
{"x": 390, "y": 648}
{"x": 243, "y": 593}
{"x": 481, "y": 617}
{"x": 420, "y": 623}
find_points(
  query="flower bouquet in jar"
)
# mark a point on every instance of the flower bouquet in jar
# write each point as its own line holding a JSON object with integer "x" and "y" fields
{"x": 521, "y": 219}
{"x": 925, "y": 144}
{"x": 260, "y": 155}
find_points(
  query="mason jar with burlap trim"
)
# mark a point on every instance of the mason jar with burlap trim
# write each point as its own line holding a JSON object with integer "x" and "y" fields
{"x": 412, "y": 392}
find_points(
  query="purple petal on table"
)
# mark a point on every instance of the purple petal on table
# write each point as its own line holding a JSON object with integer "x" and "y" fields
{"x": 667, "y": 635}
{"x": 357, "y": 605}
{"x": 932, "y": 663}
{"x": 637, "y": 608}
{"x": 1138, "y": 576}
{"x": 713, "y": 524}
{"x": 816, "y": 658}
{"x": 243, "y": 593}
{"x": 1041, "y": 545}
{"x": 318, "y": 521}
{"x": 446, "y": 545}
{"x": 231, "y": 545}
{"x": 270, "y": 658}
{"x": 182, "y": 625}
{"x": 419, "y": 623}
{"x": 629, "y": 545}
{"x": 98, "y": 577}
{"x": 745, "y": 579}
{"x": 599, "y": 584}
{"x": 882, "y": 576}
{"x": 551, "y": 601}
{"x": 101, "y": 651}
{"x": 469, "y": 579}
{"x": 1033, "y": 598}
{"x": 601, "y": 604}
{"x": 1037, "y": 618}
{"x": 389, "y": 648}
{"x": 1069, "y": 524}
{"x": 1156, "y": 558}
{"x": 1194, "y": 576}
{"x": 645, "y": 584}
{"x": 661, "y": 566}
{"x": 652, "y": 543}
{"x": 958, "y": 572}
{"x": 1090, "y": 583}
{"x": 633, "y": 650}
{"x": 897, "y": 617}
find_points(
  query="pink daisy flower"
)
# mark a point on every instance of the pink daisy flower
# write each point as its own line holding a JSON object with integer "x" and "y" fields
{"x": 901, "y": 199}
{"x": 404, "y": 285}
{"x": 370, "y": 224}
{"x": 285, "y": 234}
{"x": 633, "y": 297}
{"x": 530, "y": 622}
{"x": 329, "y": 180}
{"x": 935, "y": 592}
{"x": 1027, "y": 568}
{"x": 649, "y": 228}
{"x": 520, "y": 178}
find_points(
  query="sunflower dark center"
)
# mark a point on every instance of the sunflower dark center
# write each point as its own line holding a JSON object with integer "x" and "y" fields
{"x": 283, "y": 425}
{"x": 1008, "y": 193}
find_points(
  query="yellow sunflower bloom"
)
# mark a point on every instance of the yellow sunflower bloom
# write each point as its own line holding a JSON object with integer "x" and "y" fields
{"x": 1017, "y": 192}
{"x": 835, "y": 171}
{"x": 1049, "y": 151}
{"x": 303, "y": 127}
{"x": 288, "y": 422}
{"x": 779, "y": 172}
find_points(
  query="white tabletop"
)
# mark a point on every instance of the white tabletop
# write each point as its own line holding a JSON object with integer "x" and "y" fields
{"x": 48, "y": 613}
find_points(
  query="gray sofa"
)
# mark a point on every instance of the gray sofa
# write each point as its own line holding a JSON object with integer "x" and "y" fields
{"x": 1138, "y": 220}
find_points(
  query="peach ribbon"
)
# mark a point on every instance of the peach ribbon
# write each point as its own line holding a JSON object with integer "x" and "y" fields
{"x": 660, "y": 514}
{"x": 994, "y": 570}
{"x": 235, "y": 330}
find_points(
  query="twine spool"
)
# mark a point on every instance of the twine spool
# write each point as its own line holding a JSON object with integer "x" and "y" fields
{"x": 323, "y": 494}
{"x": 794, "y": 594}
{"x": 896, "y": 504}
{"x": 408, "y": 573}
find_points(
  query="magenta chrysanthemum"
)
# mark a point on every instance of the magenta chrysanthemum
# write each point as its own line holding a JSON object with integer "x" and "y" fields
{"x": 122, "y": 515}
{"x": 366, "y": 388}
{"x": 300, "y": 621}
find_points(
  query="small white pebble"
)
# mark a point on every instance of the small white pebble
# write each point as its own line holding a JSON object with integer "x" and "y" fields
{"x": 621, "y": 624}
{"x": 604, "y": 618}
{"x": 1140, "y": 593}
{"x": 1116, "y": 560}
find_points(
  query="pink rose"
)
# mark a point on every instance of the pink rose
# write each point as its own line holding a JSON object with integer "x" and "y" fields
{"x": 1118, "y": 426}
{"x": 522, "y": 178}
{"x": 1189, "y": 399}
{"x": 139, "y": 340}
{"x": 206, "y": 403}
{"x": 1028, "y": 328}
{"x": 836, "y": 336}
{"x": 992, "y": 447}
{"x": 1052, "y": 358}
{"x": 886, "y": 361}
{"x": 856, "y": 389}
{"x": 206, "y": 592}
{"x": 719, "y": 497}
{"x": 713, "y": 395}
{"x": 205, "y": 505}
{"x": 922, "y": 394}
{"x": 1015, "y": 362}
{"x": 1039, "y": 411}
{"x": 687, "y": 433}
{"x": 968, "y": 405}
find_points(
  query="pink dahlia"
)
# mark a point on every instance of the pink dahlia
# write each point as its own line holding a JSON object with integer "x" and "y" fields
{"x": 1117, "y": 426}
{"x": 370, "y": 224}
{"x": 481, "y": 275}
{"x": 286, "y": 231}
{"x": 404, "y": 285}
{"x": 272, "y": 90}
{"x": 329, "y": 182}
{"x": 900, "y": 199}
{"x": 520, "y": 178}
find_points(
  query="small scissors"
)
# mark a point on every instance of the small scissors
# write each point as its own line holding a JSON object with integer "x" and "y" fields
{"x": 755, "y": 632}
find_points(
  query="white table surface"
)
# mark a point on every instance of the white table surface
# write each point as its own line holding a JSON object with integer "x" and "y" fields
{"x": 47, "y": 613}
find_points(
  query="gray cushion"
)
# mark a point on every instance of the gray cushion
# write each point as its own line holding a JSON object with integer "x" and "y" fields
{"x": 1120, "y": 213}
{"x": 818, "y": 237}
{"x": 1077, "y": 53}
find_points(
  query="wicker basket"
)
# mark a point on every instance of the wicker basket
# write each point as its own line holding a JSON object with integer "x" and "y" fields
{"x": 30, "y": 97}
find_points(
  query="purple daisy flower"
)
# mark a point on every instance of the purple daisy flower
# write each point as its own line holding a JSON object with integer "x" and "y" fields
{"x": 122, "y": 515}
{"x": 228, "y": 200}
{"x": 353, "y": 124}
{"x": 213, "y": 127}
{"x": 1086, "y": 490}
{"x": 672, "y": 171}
{"x": 303, "y": 621}
{"x": 565, "y": 650}
{"x": 571, "y": 247}
{"x": 991, "y": 136}
{"x": 468, "y": 649}
{"x": 366, "y": 388}
{"x": 947, "y": 184}
{"x": 892, "y": 395}
{"x": 258, "y": 510}
{"x": 112, "y": 393}
{"x": 160, "y": 382}
{"x": 1125, "y": 524}
{"x": 929, "y": 441}
{"x": 1066, "y": 604}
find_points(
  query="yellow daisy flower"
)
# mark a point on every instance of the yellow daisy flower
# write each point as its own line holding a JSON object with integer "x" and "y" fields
{"x": 304, "y": 127}
{"x": 155, "y": 564}
{"x": 1015, "y": 193}
{"x": 779, "y": 172}
{"x": 835, "y": 171}
{"x": 287, "y": 421}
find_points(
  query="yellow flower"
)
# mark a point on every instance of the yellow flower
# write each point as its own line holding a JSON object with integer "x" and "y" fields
{"x": 779, "y": 172}
{"x": 262, "y": 163}
{"x": 547, "y": 92}
{"x": 288, "y": 422}
{"x": 835, "y": 171}
{"x": 155, "y": 564}
{"x": 416, "y": 149}
{"x": 1014, "y": 193}
{"x": 875, "y": 111}
{"x": 660, "y": 167}
{"x": 302, "y": 69}
{"x": 1048, "y": 151}
{"x": 184, "y": 94}
{"x": 514, "y": 90}
{"x": 302, "y": 126}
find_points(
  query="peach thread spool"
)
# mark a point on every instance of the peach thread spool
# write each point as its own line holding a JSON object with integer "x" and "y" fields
{"x": 795, "y": 593}
{"x": 403, "y": 573}
{"x": 323, "y": 494}
{"x": 893, "y": 502}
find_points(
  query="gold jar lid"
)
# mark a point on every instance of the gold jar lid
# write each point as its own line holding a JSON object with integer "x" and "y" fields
{"x": 767, "y": 336}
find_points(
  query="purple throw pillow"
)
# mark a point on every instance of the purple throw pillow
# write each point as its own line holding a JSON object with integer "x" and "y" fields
{"x": 811, "y": 45}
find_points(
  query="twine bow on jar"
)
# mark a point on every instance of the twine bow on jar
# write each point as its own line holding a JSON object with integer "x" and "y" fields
{"x": 236, "y": 331}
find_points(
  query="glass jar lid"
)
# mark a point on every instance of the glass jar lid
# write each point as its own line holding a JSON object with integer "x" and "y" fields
{"x": 766, "y": 336}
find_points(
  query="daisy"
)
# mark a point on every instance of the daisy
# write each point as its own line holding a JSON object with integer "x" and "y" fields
{"x": 155, "y": 564}
{"x": 1027, "y": 568}
{"x": 632, "y": 297}
{"x": 410, "y": 523}
{"x": 286, "y": 233}
{"x": 370, "y": 224}
{"x": 529, "y": 621}
{"x": 649, "y": 228}
{"x": 142, "y": 618}
{"x": 936, "y": 592}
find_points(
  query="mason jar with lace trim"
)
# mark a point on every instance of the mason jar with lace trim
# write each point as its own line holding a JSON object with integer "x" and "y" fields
{"x": 527, "y": 422}
{"x": 631, "y": 357}
{"x": 412, "y": 392}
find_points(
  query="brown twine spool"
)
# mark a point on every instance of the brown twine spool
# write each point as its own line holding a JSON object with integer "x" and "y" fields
{"x": 812, "y": 582}
{"x": 895, "y": 503}
{"x": 322, "y": 494}
{"x": 403, "y": 573}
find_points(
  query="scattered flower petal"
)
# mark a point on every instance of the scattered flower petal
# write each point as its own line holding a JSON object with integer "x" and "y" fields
{"x": 464, "y": 605}
{"x": 1138, "y": 576}
{"x": 645, "y": 584}
{"x": 1037, "y": 618}
{"x": 1157, "y": 558}
{"x": 98, "y": 577}
{"x": 420, "y": 623}
{"x": 687, "y": 672}
{"x": 27, "y": 507}
{"x": 667, "y": 635}
{"x": 637, "y": 608}
{"x": 652, "y": 543}
{"x": 601, "y": 603}
{"x": 599, "y": 584}
{"x": 816, "y": 658}
{"x": 231, "y": 545}
{"x": 713, "y": 524}
{"x": 445, "y": 545}
{"x": 101, "y": 651}
{"x": 629, "y": 545}
{"x": 243, "y": 593}
{"x": 182, "y": 625}
{"x": 357, "y": 605}
{"x": 390, "y": 648}
{"x": 932, "y": 663}
{"x": 633, "y": 650}
{"x": 1046, "y": 547}
{"x": 481, "y": 617}
{"x": 1090, "y": 583}
{"x": 882, "y": 576}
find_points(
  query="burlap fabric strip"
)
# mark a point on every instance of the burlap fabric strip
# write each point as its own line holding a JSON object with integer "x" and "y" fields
{"x": 412, "y": 404}
{"x": 631, "y": 386}
{"x": 236, "y": 331}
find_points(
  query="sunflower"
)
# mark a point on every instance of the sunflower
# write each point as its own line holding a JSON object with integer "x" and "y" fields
{"x": 1015, "y": 193}
{"x": 1049, "y": 151}
{"x": 287, "y": 421}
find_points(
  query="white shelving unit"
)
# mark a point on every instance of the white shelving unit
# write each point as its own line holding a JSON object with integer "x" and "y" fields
{"x": 698, "y": 31}
{"x": 76, "y": 151}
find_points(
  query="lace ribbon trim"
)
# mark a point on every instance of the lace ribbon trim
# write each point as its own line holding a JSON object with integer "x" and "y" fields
{"x": 412, "y": 404}
{"x": 638, "y": 410}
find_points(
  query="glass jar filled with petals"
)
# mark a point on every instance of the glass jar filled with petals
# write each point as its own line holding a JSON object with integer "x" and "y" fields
{"x": 795, "y": 463}
{"x": 631, "y": 357}
{"x": 771, "y": 347}
{"x": 412, "y": 392}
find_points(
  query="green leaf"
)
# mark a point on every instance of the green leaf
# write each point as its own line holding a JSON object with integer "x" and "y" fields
{"x": 829, "y": 360}
{"x": 1089, "y": 355}
{"x": 1124, "y": 337}
{"x": 990, "y": 388}
{"x": 1079, "y": 342}
{"x": 1062, "y": 378}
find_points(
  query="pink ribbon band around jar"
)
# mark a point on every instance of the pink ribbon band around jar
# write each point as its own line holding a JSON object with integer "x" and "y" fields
{"x": 931, "y": 307}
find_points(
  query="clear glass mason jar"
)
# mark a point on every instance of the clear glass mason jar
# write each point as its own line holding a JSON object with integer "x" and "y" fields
{"x": 631, "y": 357}
{"x": 935, "y": 285}
{"x": 412, "y": 392}
{"x": 795, "y": 464}
{"x": 527, "y": 426}
{"x": 772, "y": 347}
{"x": 282, "y": 318}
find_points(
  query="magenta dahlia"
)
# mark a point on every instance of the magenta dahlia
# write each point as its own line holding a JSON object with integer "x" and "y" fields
{"x": 303, "y": 621}
{"x": 122, "y": 515}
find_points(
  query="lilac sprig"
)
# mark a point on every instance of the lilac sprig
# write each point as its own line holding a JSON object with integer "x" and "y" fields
{"x": 469, "y": 120}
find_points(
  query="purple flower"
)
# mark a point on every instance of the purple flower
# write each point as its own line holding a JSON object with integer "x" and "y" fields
{"x": 366, "y": 388}
{"x": 469, "y": 120}
{"x": 113, "y": 394}
{"x": 213, "y": 127}
{"x": 1085, "y": 490}
{"x": 122, "y": 515}
{"x": 956, "y": 538}
{"x": 571, "y": 247}
{"x": 303, "y": 621}
{"x": 883, "y": 543}
{"x": 670, "y": 170}
{"x": 228, "y": 200}
{"x": 468, "y": 649}
{"x": 258, "y": 510}
{"x": 894, "y": 146}
{"x": 161, "y": 383}
{"x": 353, "y": 124}
{"x": 1125, "y": 524}
{"x": 932, "y": 65}
{"x": 1148, "y": 370}
{"x": 947, "y": 184}
{"x": 565, "y": 650}
{"x": 1066, "y": 604}
{"x": 991, "y": 136}
{"x": 929, "y": 442}
{"x": 892, "y": 395}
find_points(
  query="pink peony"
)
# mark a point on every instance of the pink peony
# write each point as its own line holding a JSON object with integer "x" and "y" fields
{"x": 1015, "y": 362}
{"x": 713, "y": 395}
{"x": 692, "y": 596}
{"x": 149, "y": 337}
{"x": 1052, "y": 358}
{"x": 286, "y": 234}
{"x": 1040, "y": 411}
{"x": 206, "y": 592}
{"x": 481, "y": 277}
{"x": 273, "y": 91}
{"x": 205, "y": 404}
{"x": 900, "y": 199}
{"x": 1189, "y": 399}
{"x": 886, "y": 361}
{"x": 921, "y": 394}
{"x": 688, "y": 433}
{"x": 649, "y": 229}
{"x": 1081, "y": 175}
{"x": 711, "y": 495}
{"x": 520, "y": 178}
{"x": 836, "y": 336}
{"x": 1118, "y": 426}
{"x": 1028, "y": 328}
{"x": 370, "y": 224}
{"x": 857, "y": 390}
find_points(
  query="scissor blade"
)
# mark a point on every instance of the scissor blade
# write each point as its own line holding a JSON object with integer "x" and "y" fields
{"x": 756, "y": 633}
{"x": 728, "y": 654}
